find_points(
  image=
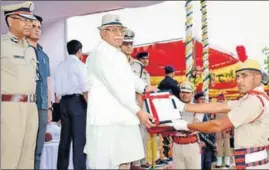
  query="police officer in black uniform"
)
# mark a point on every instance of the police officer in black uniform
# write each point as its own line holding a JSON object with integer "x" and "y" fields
{"x": 168, "y": 83}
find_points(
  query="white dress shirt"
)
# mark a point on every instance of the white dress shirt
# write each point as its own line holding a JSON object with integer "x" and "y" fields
{"x": 112, "y": 87}
{"x": 70, "y": 77}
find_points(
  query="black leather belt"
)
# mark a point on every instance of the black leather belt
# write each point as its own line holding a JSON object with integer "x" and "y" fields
{"x": 71, "y": 96}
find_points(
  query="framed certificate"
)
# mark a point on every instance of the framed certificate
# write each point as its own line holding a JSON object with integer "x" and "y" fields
{"x": 162, "y": 106}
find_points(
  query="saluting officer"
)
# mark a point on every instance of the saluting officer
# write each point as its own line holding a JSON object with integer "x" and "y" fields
{"x": 19, "y": 118}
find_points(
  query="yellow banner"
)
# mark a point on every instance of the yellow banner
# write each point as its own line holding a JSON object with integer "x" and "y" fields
{"x": 222, "y": 77}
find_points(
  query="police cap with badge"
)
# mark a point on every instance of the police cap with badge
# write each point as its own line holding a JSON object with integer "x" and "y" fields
{"x": 249, "y": 64}
{"x": 128, "y": 36}
{"x": 187, "y": 87}
{"x": 24, "y": 10}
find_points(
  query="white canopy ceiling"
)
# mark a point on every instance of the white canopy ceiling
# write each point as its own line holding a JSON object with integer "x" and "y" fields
{"x": 55, "y": 10}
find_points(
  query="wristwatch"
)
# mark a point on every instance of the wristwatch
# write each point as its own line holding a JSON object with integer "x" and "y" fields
{"x": 50, "y": 108}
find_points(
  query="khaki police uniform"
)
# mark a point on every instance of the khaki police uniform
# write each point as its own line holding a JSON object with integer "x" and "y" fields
{"x": 19, "y": 121}
{"x": 223, "y": 139}
{"x": 250, "y": 118}
{"x": 139, "y": 70}
{"x": 186, "y": 148}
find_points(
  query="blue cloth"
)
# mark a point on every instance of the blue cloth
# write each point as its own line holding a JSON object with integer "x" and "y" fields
{"x": 43, "y": 74}
{"x": 208, "y": 152}
{"x": 40, "y": 139}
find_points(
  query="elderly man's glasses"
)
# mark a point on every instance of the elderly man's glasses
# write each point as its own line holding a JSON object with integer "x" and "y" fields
{"x": 23, "y": 19}
{"x": 116, "y": 30}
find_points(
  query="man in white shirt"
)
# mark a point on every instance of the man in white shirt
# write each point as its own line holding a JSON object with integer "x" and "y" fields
{"x": 112, "y": 132}
{"x": 70, "y": 83}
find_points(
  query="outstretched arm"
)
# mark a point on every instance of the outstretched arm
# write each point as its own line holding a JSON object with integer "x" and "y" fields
{"x": 211, "y": 126}
{"x": 207, "y": 108}
{"x": 206, "y": 127}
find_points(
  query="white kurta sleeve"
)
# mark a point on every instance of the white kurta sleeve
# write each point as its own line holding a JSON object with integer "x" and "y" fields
{"x": 117, "y": 76}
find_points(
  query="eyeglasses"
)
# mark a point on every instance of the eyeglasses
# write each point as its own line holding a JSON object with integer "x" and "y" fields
{"x": 127, "y": 43}
{"x": 116, "y": 30}
{"x": 23, "y": 19}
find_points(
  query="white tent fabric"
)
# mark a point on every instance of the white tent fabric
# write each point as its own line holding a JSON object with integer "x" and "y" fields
{"x": 230, "y": 24}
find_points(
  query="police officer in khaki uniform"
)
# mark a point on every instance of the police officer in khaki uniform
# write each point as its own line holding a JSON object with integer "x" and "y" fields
{"x": 223, "y": 139}
{"x": 186, "y": 148}
{"x": 127, "y": 44}
{"x": 138, "y": 66}
{"x": 249, "y": 116}
{"x": 19, "y": 119}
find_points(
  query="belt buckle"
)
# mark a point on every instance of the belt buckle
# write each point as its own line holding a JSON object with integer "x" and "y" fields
{"x": 31, "y": 98}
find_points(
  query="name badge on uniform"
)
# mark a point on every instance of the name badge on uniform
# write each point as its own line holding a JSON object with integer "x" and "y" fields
{"x": 19, "y": 57}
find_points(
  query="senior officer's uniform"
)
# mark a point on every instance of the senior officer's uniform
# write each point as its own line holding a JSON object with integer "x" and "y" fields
{"x": 168, "y": 83}
{"x": 250, "y": 118}
{"x": 186, "y": 149}
{"x": 19, "y": 121}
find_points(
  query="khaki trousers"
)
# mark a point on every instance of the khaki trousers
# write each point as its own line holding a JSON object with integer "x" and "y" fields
{"x": 19, "y": 125}
{"x": 223, "y": 137}
{"x": 187, "y": 156}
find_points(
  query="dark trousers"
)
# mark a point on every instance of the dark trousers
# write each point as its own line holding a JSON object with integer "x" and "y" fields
{"x": 40, "y": 140}
{"x": 207, "y": 158}
{"x": 73, "y": 128}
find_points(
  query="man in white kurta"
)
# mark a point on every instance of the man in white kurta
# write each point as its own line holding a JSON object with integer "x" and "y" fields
{"x": 112, "y": 132}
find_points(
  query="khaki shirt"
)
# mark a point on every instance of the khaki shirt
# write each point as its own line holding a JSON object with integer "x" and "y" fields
{"x": 140, "y": 71}
{"x": 245, "y": 110}
{"x": 18, "y": 66}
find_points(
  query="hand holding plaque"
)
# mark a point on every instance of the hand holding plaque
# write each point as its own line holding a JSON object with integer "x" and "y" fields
{"x": 179, "y": 124}
{"x": 163, "y": 106}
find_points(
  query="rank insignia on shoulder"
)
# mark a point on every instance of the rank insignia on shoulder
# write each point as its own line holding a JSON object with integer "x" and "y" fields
{"x": 14, "y": 39}
{"x": 19, "y": 57}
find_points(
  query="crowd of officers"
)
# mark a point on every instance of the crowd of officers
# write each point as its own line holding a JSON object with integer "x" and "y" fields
{"x": 186, "y": 93}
